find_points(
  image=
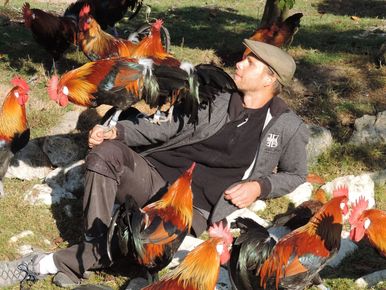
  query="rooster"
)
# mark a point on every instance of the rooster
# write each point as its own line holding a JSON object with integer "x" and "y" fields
{"x": 154, "y": 233}
{"x": 201, "y": 267}
{"x": 14, "y": 131}
{"x": 106, "y": 12}
{"x": 54, "y": 33}
{"x": 278, "y": 33}
{"x": 97, "y": 44}
{"x": 151, "y": 46}
{"x": 294, "y": 261}
{"x": 368, "y": 223}
{"x": 122, "y": 82}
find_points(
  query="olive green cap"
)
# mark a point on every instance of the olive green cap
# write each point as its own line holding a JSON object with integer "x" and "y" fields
{"x": 282, "y": 64}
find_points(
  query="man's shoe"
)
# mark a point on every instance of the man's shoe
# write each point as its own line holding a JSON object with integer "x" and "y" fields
{"x": 21, "y": 270}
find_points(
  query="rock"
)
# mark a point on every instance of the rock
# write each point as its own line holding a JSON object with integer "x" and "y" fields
{"x": 371, "y": 279}
{"x": 361, "y": 185}
{"x": 379, "y": 177}
{"x": 188, "y": 244}
{"x": 44, "y": 194}
{"x": 320, "y": 140}
{"x": 21, "y": 235}
{"x": 370, "y": 129}
{"x": 67, "y": 123}
{"x": 136, "y": 284}
{"x": 302, "y": 193}
{"x": 258, "y": 205}
{"x": 69, "y": 178}
{"x": 63, "y": 149}
{"x": 29, "y": 163}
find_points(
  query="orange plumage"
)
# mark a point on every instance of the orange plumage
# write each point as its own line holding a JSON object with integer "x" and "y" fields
{"x": 201, "y": 267}
{"x": 198, "y": 271}
{"x": 14, "y": 131}
{"x": 368, "y": 223}
{"x": 13, "y": 118}
{"x": 97, "y": 44}
{"x": 151, "y": 46}
{"x": 305, "y": 251}
{"x": 88, "y": 84}
{"x": 278, "y": 33}
{"x": 150, "y": 236}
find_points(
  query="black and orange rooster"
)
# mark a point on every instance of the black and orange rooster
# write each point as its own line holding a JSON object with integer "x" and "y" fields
{"x": 294, "y": 261}
{"x": 106, "y": 12}
{"x": 97, "y": 44}
{"x": 369, "y": 223}
{"x": 122, "y": 82}
{"x": 14, "y": 131}
{"x": 278, "y": 33}
{"x": 152, "y": 235}
{"x": 201, "y": 267}
{"x": 54, "y": 33}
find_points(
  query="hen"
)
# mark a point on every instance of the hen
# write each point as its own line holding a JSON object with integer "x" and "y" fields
{"x": 122, "y": 82}
{"x": 152, "y": 235}
{"x": 106, "y": 12}
{"x": 54, "y": 33}
{"x": 201, "y": 267}
{"x": 14, "y": 131}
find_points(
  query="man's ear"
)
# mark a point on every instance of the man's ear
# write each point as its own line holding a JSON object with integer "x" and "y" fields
{"x": 269, "y": 79}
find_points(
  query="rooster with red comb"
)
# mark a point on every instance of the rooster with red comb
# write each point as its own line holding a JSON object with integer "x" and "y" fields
{"x": 14, "y": 131}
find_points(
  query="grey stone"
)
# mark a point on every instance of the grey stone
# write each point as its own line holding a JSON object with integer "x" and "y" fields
{"x": 320, "y": 141}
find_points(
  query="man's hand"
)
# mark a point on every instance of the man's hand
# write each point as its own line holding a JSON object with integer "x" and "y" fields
{"x": 98, "y": 134}
{"x": 243, "y": 194}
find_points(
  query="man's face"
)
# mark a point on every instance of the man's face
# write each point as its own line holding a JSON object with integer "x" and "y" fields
{"x": 250, "y": 74}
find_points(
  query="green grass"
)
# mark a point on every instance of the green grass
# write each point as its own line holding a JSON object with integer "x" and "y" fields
{"x": 337, "y": 82}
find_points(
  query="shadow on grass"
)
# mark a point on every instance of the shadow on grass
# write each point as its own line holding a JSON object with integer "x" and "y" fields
{"x": 20, "y": 47}
{"x": 370, "y": 8}
{"x": 363, "y": 261}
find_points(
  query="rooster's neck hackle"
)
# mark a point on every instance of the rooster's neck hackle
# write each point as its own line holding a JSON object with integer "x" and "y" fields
{"x": 376, "y": 232}
{"x": 12, "y": 116}
{"x": 200, "y": 268}
{"x": 78, "y": 85}
{"x": 179, "y": 197}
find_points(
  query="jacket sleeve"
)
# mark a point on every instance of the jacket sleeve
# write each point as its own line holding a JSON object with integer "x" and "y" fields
{"x": 292, "y": 166}
{"x": 139, "y": 131}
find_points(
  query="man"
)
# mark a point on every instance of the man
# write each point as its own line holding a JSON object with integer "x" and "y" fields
{"x": 253, "y": 147}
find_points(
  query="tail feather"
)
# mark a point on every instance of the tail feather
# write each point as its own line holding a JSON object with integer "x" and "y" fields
{"x": 122, "y": 222}
{"x": 293, "y": 21}
{"x": 249, "y": 251}
{"x": 27, "y": 14}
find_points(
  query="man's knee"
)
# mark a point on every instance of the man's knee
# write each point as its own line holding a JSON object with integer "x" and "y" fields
{"x": 109, "y": 158}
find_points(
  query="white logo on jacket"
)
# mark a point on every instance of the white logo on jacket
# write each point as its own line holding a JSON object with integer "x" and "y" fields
{"x": 272, "y": 140}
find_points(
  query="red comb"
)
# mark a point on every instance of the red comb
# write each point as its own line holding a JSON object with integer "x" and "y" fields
{"x": 19, "y": 82}
{"x": 85, "y": 10}
{"x": 340, "y": 191}
{"x": 52, "y": 87}
{"x": 358, "y": 207}
{"x": 158, "y": 24}
{"x": 219, "y": 231}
